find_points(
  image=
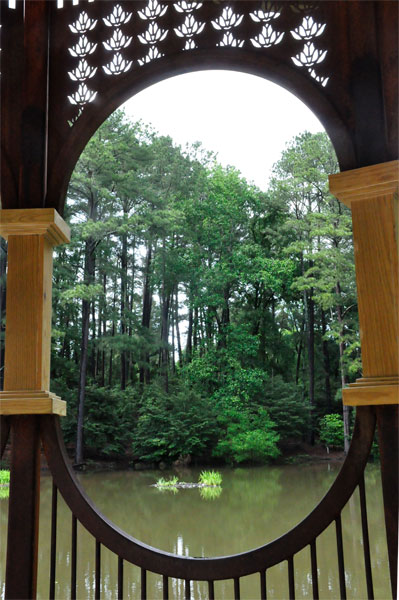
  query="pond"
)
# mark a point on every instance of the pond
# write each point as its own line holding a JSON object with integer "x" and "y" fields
{"x": 255, "y": 506}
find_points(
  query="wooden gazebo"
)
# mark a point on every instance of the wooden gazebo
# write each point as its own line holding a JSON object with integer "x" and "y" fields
{"x": 65, "y": 66}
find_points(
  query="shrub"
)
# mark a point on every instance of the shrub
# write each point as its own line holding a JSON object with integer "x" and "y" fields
{"x": 331, "y": 431}
{"x": 286, "y": 408}
{"x": 169, "y": 425}
{"x": 248, "y": 437}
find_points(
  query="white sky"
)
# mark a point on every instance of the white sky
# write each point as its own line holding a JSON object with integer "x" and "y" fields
{"x": 245, "y": 119}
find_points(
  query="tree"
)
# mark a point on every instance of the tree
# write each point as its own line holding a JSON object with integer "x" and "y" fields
{"x": 213, "y": 317}
{"x": 323, "y": 245}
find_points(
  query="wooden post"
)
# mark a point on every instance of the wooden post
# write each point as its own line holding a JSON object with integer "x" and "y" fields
{"x": 372, "y": 194}
{"x": 31, "y": 235}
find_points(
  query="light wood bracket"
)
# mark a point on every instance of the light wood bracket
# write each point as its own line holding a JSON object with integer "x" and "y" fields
{"x": 372, "y": 194}
{"x": 31, "y": 235}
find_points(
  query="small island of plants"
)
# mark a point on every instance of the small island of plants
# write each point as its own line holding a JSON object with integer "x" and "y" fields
{"x": 206, "y": 479}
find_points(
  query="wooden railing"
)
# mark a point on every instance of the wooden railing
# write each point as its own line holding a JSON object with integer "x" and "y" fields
{"x": 210, "y": 570}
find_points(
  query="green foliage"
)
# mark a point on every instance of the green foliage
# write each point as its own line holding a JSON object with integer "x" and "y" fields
{"x": 210, "y": 493}
{"x": 182, "y": 304}
{"x": 210, "y": 478}
{"x": 286, "y": 407}
{"x": 331, "y": 431}
{"x": 171, "y": 482}
{"x": 248, "y": 437}
{"x": 4, "y": 476}
{"x": 4, "y": 492}
{"x": 170, "y": 425}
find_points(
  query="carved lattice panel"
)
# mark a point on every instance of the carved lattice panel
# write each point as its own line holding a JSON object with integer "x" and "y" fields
{"x": 104, "y": 41}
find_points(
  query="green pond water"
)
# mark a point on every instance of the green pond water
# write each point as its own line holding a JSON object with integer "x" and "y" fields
{"x": 255, "y": 506}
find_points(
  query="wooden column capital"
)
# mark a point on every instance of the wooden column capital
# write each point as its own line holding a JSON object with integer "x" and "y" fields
{"x": 35, "y": 221}
{"x": 31, "y": 234}
{"x": 372, "y": 194}
{"x": 365, "y": 183}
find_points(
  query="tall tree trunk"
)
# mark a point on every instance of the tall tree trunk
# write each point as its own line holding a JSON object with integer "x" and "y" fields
{"x": 89, "y": 277}
{"x": 98, "y": 351}
{"x": 311, "y": 361}
{"x": 64, "y": 352}
{"x": 298, "y": 361}
{"x": 123, "y": 307}
{"x": 113, "y": 329}
{"x": 179, "y": 350}
{"x": 326, "y": 360}
{"x": 164, "y": 351}
{"x": 189, "y": 343}
{"x": 344, "y": 380}
{"x": 225, "y": 319}
{"x": 93, "y": 357}
{"x": 131, "y": 375}
{"x": 173, "y": 322}
{"x": 146, "y": 315}
{"x": 103, "y": 321}
{"x": 195, "y": 328}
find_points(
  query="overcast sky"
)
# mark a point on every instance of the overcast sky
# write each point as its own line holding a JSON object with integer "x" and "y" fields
{"x": 247, "y": 120}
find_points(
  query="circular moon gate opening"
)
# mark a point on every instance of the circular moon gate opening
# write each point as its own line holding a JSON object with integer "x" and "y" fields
{"x": 344, "y": 486}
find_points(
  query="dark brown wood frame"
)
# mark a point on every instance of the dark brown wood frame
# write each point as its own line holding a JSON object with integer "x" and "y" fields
{"x": 39, "y": 149}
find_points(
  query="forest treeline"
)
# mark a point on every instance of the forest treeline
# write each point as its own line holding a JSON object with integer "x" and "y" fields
{"x": 194, "y": 313}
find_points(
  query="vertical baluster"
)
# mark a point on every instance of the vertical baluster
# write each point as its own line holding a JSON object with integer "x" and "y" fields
{"x": 73, "y": 556}
{"x": 236, "y": 588}
{"x": 366, "y": 542}
{"x": 291, "y": 579}
{"x": 211, "y": 590}
{"x": 143, "y": 584}
{"x": 187, "y": 590}
{"x": 120, "y": 578}
{"x": 53, "y": 542}
{"x": 315, "y": 582}
{"x": 97, "y": 588}
{"x": 263, "y": 589}
{"x": 340, "y": 551}
{"x": 165, "y": 588}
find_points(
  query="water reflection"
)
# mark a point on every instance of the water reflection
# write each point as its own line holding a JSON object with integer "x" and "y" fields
{"x": 255, "y": 506}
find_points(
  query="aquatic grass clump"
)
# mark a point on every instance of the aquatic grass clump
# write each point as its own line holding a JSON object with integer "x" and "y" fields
{"x": 4, "y": 492}
{"x": 212, "y": 478}
{"x": 167, "y": 483}
{"x": 210, "y": 493}
{"x": 4, "y": 484}
{"x": 4, "y": 477}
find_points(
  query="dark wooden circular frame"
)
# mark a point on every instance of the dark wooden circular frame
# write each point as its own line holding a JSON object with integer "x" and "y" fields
{"x": 232, "y": 59}
{"x": 207, "y": 569}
